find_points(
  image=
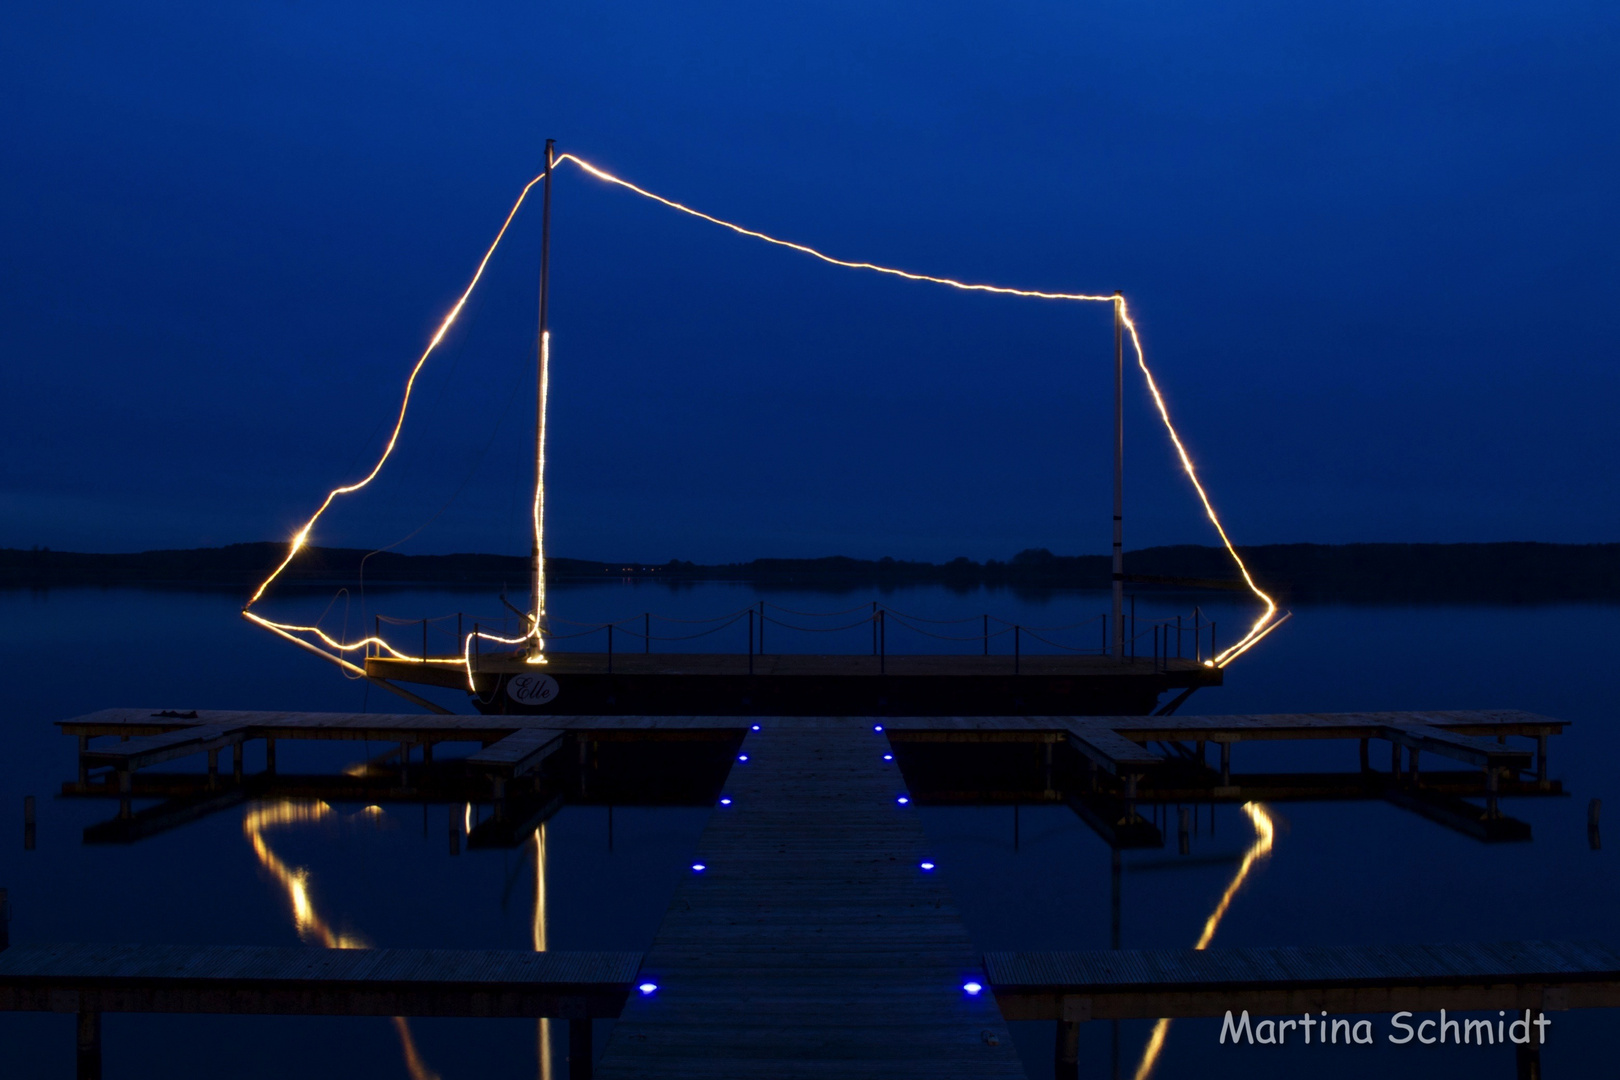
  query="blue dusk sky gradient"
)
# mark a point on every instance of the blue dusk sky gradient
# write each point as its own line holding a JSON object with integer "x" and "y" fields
{"x": 1372, "y": 248}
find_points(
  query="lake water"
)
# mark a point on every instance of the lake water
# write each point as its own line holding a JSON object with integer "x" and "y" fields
{"x": 1338, "y": 873}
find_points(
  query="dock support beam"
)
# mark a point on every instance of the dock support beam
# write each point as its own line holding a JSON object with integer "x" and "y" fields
{"x": 89, "y": 1045}
{"x": 236, "y": 763}
{"x": 1226, "y": 764}
{"x": 1067, "y": 1058}
{"x": 579, "y": 1049}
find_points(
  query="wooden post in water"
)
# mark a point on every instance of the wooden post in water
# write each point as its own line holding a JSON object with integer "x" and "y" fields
{"x": 579, "y": 1049}
{"x": 89, "y": 1045}
{"x": 1119, "y": 475}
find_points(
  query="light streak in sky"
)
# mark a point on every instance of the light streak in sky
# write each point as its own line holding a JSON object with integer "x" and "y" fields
{"x": 306, "y": 919}
{"x": 1265, "y": 834}
{"x": 1258, "y": 630}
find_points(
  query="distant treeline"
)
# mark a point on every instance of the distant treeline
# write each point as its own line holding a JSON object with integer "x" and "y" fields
{"x": 1382, "y": 573}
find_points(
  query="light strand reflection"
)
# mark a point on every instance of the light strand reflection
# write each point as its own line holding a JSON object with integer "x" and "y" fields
{"x": 1265, "y": 834}
{"x": 538, "y": 931}
{"x": 306, "y": 919}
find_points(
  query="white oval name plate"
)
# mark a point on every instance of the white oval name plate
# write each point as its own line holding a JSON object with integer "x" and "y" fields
{"x": 534, "y": 689}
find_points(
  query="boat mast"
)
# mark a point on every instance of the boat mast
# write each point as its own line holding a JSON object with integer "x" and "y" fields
{"x": 537, "y": 647}
{"x": 1118, "y": 642}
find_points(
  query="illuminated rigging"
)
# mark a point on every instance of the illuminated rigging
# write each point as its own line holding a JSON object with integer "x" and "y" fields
{"x": 533, "y": 636}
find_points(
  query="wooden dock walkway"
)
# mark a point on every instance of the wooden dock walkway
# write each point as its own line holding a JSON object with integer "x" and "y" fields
{"x": 1076, "y": 987}
{"x": 1104, "y": 766}
{"x": 93, "y": 979}
{"x": 812, "y": 943}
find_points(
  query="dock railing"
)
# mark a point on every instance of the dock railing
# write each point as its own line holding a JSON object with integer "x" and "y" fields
{"x": 1163, "y": 639}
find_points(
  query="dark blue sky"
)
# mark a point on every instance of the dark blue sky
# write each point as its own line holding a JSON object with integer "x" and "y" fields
{"x": 1372, "y": 248}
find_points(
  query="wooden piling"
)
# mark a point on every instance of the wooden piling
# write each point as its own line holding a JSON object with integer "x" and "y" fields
{"x": 89, "y": 1045}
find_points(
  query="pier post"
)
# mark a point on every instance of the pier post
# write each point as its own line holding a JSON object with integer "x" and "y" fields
{"x": 1527, "y": 1057}
{"x": 124, "y": 784}
{"x": 84, "y": 769}
{"x": 404, "y": 764}
{"x": 427, "y": 754}
{"x": 1541, "y": 762}
{"x": 1067, "y": 1056}
{"x": 213, "y": 767}
{"x": 1490, "y": 792}
{"x": 1183, "y": 830}
{"x": 579, "y": 1049}
{"x": 270, "y": 756}
{"x": 236, "y": 763}
{"x": 1226, "y": 764}
{"x": 89, "y": 1045}
{"x": 1046, "y": 767}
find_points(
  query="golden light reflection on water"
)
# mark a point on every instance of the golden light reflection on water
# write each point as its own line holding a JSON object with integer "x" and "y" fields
{"x": 306, "y": 919}
{"x": 1265, "y": 835}
{"x": 538, "y": 930}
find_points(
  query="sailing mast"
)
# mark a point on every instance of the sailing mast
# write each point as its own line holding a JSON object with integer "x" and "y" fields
{"x": 537, "y": 599}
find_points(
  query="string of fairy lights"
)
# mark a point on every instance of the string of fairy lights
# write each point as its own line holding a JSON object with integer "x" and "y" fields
{"x": 318, "y": 640}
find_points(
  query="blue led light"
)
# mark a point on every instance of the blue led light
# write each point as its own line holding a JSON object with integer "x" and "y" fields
{"x": 754, "y": 728}
{"x": 647, "y": 988}
{"x": 927, "y": 865}
{"x": 698, "y": 868}
{"x": 972, "y": 988}
{"x": 725, "y": 801}
{"x": 902, "y": 800}
{"x": 877, "y": 727}
{"x": 742, "y": 757}
{"x": 888, "y": 757}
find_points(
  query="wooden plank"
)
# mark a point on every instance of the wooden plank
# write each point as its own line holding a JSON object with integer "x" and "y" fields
{"x": 1467, "y": 748}
{"x": 1128, "y": 984}
{"x": 812, "y": 944}
{"x": 1113, "y": 751}
{"x": 520, "y": 752}
{"x": 146, "y": 750}
{"x": 339, "y": 982}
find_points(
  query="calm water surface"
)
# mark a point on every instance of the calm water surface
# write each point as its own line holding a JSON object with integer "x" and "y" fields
{"x": 1337, "y": 873}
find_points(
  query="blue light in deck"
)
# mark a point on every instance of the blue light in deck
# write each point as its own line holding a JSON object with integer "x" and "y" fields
{"x": 698, "y": 868}
{"x": 877, "y": 727}
{"x": 647, "y": 988}
{"x": 725, "y": 800}
{"x": 902, "y": 800}
{"x": 927, "y": 865}
{"x": 754, "y": 728}
{"x": 972, "y": 988}
{"x": 888, "y": 757}
{"x": 742, "y": 757}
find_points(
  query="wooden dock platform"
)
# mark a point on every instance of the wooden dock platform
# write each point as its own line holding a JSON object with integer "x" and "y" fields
{"x": 789, "y": 684}
{"x": 813, "y": 943}
{"x": 1525, "y": 979}
{"x": 1105, "y": 767}
{"x": 94, "y": 979}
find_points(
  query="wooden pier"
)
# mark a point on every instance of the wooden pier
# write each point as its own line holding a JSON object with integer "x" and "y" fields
{"x": 1105, "y": 768}
{"x": 811, "y": 937}
{"x": 787, "y": 684}
{"x": 814, "y": 942}
{"x": 90, "y": 980}
{"x": 1073, "y": 988}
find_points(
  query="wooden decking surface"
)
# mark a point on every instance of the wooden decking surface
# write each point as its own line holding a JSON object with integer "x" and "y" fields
{"x": 1345, "y": 979}
{"x": 813, "y": 944}
{"x": 344, "y": 982}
